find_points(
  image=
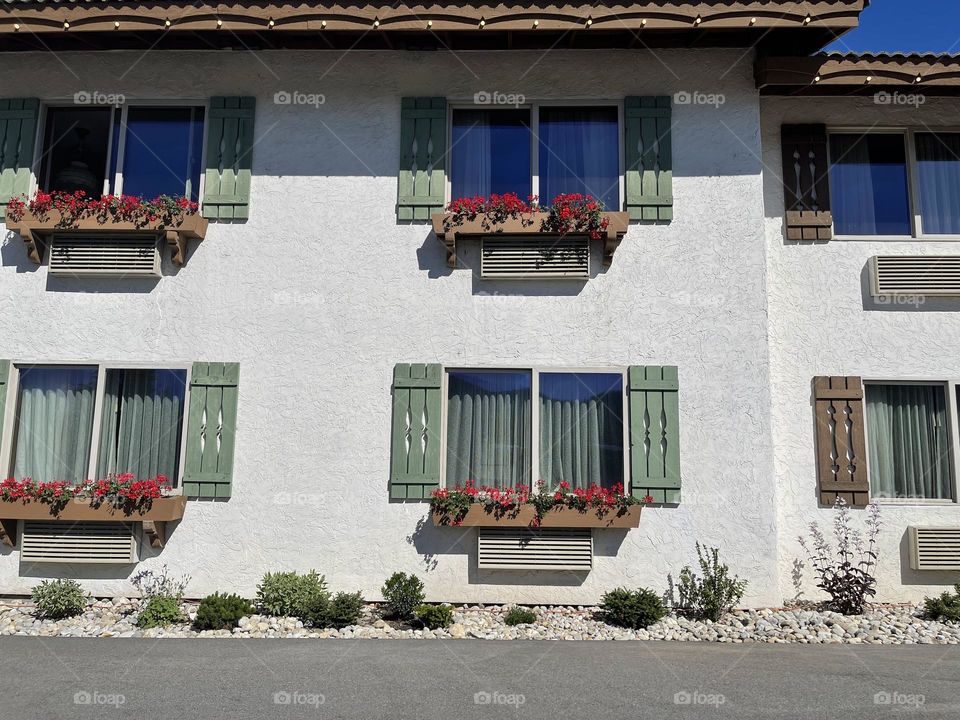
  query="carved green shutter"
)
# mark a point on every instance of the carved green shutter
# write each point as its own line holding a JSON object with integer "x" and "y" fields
{"x": 4, "y": 382}
{"x": 18, "y": 130}
{"x": 226, "y": 189}
{"x": 655, "y": 433}
{"x": 423, "y": 157}
{"x": 649, "y": 157}
{"x": 211, "y": 429}
{"x": 415, "y": 456}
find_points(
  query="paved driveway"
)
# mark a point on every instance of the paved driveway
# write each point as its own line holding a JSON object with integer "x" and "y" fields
{"x": 453, "y": 680}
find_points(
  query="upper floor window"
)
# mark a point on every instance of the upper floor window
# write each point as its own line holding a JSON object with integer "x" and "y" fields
{"x": 544, "y": 150}
{"x": 133, "y": 150}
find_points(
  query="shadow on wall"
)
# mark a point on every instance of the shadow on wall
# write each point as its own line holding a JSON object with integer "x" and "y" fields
{"x": 909, "y": 576}
{"x": 905, "y": 302}
{"x": 13, "y": 253}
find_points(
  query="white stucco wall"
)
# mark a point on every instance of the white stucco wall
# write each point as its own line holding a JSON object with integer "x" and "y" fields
{"x": 824, "y": 322}
{"x": 321, "y": 293}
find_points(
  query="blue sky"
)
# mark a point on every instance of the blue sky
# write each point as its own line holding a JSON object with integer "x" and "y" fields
{"x": 906, "y": 26}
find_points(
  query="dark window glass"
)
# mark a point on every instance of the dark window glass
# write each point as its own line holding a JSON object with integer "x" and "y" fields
{"x": 162, "y": 151}
{"x": 579, "y": 153}
{"x": 75, "y": 146}
{"x": 490, "y": 153}
{"x": 868, "y": 184}
{"x": 938, "y": 173}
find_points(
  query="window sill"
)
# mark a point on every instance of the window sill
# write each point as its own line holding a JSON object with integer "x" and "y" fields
{"x": 915, "y": 502}
{"x": 154, "y": 517}
{"x": 36, "y": 230}
{"x": 529, "y": 226}
{"x": 558, "y": 517}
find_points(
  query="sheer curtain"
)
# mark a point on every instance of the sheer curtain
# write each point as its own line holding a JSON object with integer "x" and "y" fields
{"x": 938, "y": 171}
{"x": 579, "y": 153}
{"x": 142, "y": 419}
{"x": 488, "y": 428}
{"x": 581, "y": 429}
{"x": 908, "y": 446}
{"x": 868, "y": 184}
{"x": 490, "y": 153}
{"x": 54, "y": 423}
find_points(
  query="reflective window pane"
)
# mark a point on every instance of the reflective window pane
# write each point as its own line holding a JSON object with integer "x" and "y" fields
{"x": 490, "y": 153}
{"x": 868, "y": 184}
{"x": 580, "y": 153}
{"x": 161, "y": 155}
{"x": 75, "y": 147}
{"x": 938, "y": 174}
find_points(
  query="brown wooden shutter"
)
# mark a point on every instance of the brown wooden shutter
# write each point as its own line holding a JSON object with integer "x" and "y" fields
{"x": 841, "y": 446}
{"x": 806, "y": 182}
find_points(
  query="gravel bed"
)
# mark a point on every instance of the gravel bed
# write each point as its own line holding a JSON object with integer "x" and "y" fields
{"x": 880, "y": 625}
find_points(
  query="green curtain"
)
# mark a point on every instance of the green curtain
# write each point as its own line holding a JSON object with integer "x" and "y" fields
{"x": 142, "y": 419}
{"x": 909, "y": 449}
{"x": 54, "y": 423}
{"x": 488, "y": 428}
{"x": 581, "y": 429}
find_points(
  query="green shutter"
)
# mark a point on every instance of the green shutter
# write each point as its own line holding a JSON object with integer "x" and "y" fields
{"x": 4, "y": 382}
{"x": 649, "y": 157}
{"x": 226, "y": 189}
{"x": 18, "y": 130}
{"x": 654, "y": 433}
{"x": 415, "y": 457}
{"x": 423, "y": 157}
{"x": 211, "y": 429}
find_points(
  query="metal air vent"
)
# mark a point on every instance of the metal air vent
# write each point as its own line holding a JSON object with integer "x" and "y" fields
{"x": 527, "y": 549}
{"x": 518, "y": 258}
{"x": 105, "y": 255}
{"x": 79, "y": 542}
{"x": 928, "y": 275}
{"x": 934, "y": 548}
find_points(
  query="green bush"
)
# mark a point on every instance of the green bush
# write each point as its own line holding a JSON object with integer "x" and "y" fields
{"x": 403, "y": 593}
{"x": 289, "y": 593}
{"x": 344, "y": 610}
{"x": 945, "y": 607}
{"x": 520, "y": 616}
{"x": 160, "y": 611}
{"x": 632, "y": 608}
{"x": 710, "y": 596}
{"x": 58, "y": 599}
{"x": 434, "y": 616}
{"x": 221, "y": 612}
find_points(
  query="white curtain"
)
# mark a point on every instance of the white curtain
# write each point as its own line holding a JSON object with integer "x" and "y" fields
{"x": 54, "y": 423}
{"x": 938, "y": 170}
{"x": 908, "y": 445}
{"x": 488, "y": 429}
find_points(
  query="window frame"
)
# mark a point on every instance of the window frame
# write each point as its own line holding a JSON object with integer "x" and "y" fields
{"x": 12, "y": 409}
{"x": 913, "y": 181}
{"x": 534, "y": 107}
{"x": 535, "y": 371}
{"x": 117, "y": 179}
{"x": 953, "y": 430}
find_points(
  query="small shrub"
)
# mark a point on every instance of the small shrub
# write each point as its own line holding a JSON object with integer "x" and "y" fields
{"x": 403, "y": 594}
{"x": 221, "y": 612}
{"x": 946, "y": 607}
{"x": 633, "y": 609}
{"x": 344, "y": 609}
{"x": 160, "y": 611}
{"x": 434, "y": 616}
{"x": 710, "y": 596}
{"x": 520, "y": 616}
{"x": 846, "y": 573}
{"x": 289, "y": 593}
{"x": 152, "y": 584}
{"x": 58, "y": 599}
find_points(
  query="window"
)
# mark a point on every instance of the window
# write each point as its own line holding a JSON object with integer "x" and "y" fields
{"x": 75, "y": 423}
{"x": 138, "y": 150}
{"x": 938, "y": 177}
{"x": 908, "y": 443}
{"x": 577, "y": 151}
{"x": 497, "y": 436}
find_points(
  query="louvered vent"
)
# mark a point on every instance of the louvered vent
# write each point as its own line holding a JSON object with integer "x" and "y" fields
{"x": 931, "y": 275}
{"x": 533, "y": 258}
{"x": 110, "y": 255}
{"x": 523, "y": 549}
{"x": 934, "y": 548}
{"x": 79, "y": 542}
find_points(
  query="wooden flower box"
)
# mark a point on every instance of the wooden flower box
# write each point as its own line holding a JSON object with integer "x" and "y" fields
{"x": 559, "y": 517}
{"x": 153, "y": 516}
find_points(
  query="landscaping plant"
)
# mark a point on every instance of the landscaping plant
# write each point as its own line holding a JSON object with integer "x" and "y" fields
{"x": 715, "y": 593}
{"x": 221, "y": 612}
{"x": 58, "y": 599}
{"x": 520, "y": 616}
{"x": 160, "y": 611}
{"x": 434, "y": 616}
{"x": 152, "y": 584}
{"x": 290, "y": 593}
{"x": 344, "y": 609}
{"x": 946, "y": 607}
{"x": 402, "y": 593}
{"x": 845, "y": 573}
{"x": 633, "y": 609}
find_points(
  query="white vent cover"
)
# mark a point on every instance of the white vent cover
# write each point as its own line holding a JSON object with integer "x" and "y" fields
{"x": 934, "y": 548}
{"x": 930, "y": 275}
{"x": 523, "y": 549}
{"x": 105, "y": 255}
{"x": 534, "y": 258}
{"x": 78, "y": 542}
